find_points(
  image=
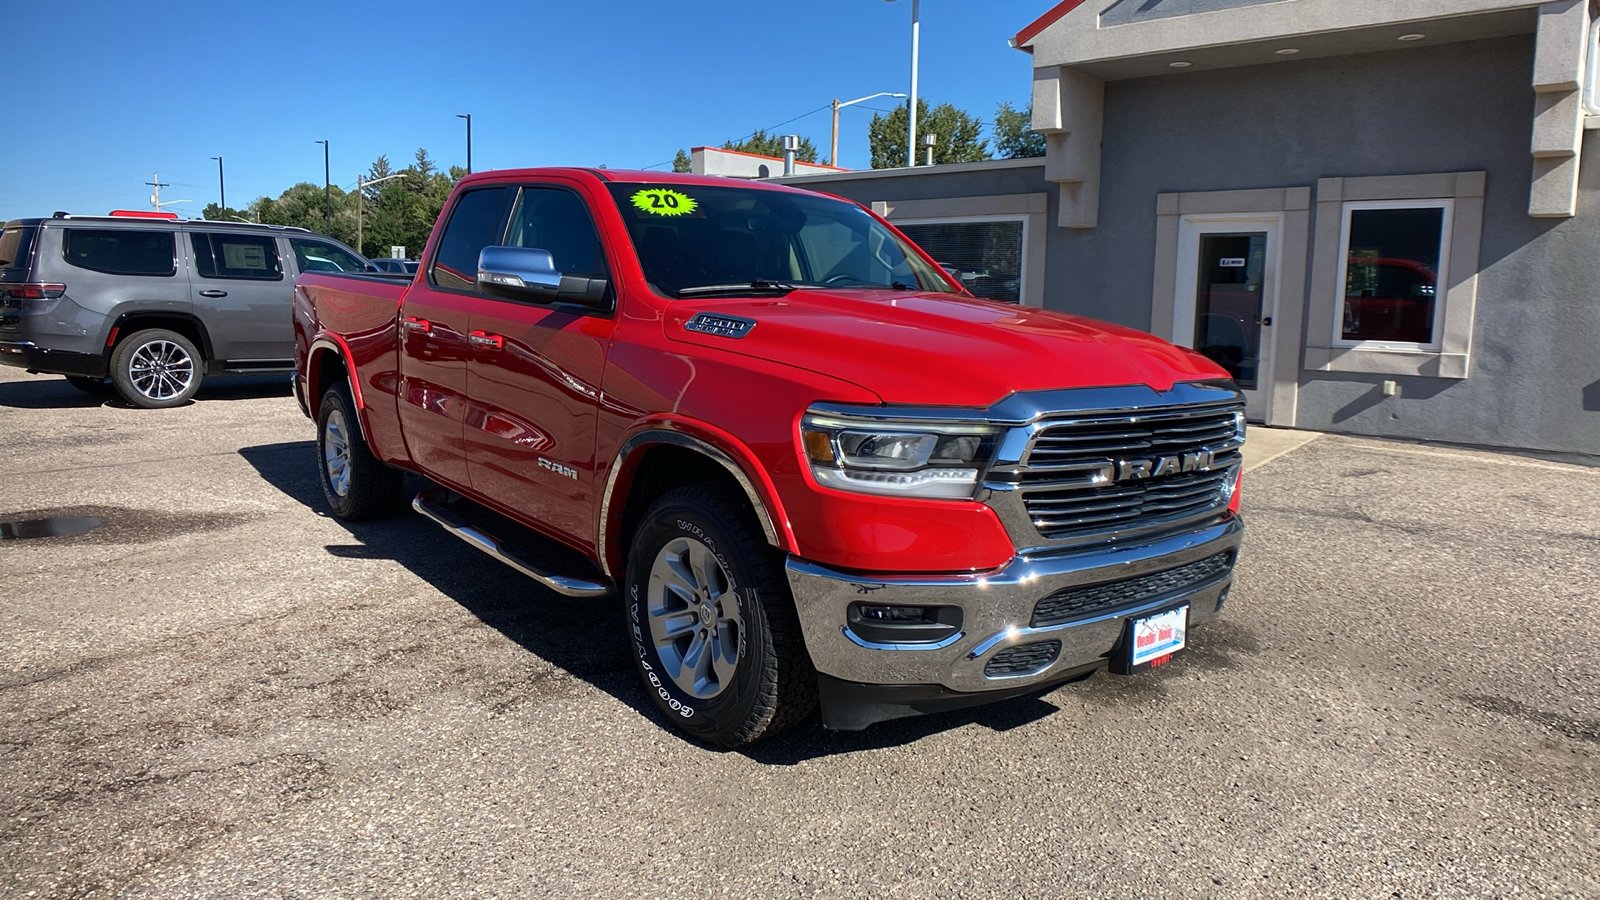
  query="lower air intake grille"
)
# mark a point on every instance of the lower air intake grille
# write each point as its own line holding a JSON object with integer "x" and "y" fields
{"x": 1023, "y": 660}
{"x": 1073, "y": 603}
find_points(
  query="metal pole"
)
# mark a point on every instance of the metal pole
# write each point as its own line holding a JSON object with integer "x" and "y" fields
{"x": 916, "y": 32}
{"x": 833, "y": 152}
{"x": 468, "y": 117}
{"x": 359, "y": 210}
{"x": 327, "y": 193}
{"x": 222, "y": 188}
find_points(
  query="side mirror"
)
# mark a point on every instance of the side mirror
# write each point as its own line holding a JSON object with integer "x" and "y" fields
{"x": 528, "y": 273}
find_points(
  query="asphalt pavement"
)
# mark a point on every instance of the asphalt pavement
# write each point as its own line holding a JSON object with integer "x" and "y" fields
{"x": 222, "y": 692}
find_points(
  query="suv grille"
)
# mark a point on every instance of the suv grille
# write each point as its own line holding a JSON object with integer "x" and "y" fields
{"x": 1072, "y": 603}
{"x": 1064, "y": 501}
{"x": 1023, "y": 660}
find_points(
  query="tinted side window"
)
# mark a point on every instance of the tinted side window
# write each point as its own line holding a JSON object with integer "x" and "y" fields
{"x": 120, "y": 251}
{"x": 246, "y": 256}
{"x": 558, "y": 221}
{"x": 477, "y": 221}
{"x": 15, "y": 245}
{"x": 321, "y": 256}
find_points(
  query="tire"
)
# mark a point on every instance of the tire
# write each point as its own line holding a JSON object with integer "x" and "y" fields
{"x": 94, "y": 387}
{"x": 356, "y": 485}
{"x": 702, "y": 580}
{"x": 156, "y": 369}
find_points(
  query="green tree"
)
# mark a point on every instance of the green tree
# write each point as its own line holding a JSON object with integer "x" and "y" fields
{"x": 957, "y": 132}
{"x": 764, "y": 144}
{"x": 682, "y": 162}
{"x": 215, "y": 213}
{"x": 1014, "y": 137}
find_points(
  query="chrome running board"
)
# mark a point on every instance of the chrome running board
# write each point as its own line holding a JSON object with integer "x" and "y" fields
{"x": 431, "y": 504}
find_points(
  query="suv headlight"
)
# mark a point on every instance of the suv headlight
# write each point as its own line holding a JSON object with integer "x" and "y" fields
{"x": 941, "y": 460}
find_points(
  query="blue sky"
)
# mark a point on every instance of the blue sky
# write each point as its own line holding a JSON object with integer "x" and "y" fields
{"x": 117, "y": 90}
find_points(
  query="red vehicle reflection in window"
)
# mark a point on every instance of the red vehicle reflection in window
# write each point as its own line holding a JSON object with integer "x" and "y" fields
{"x": 1389, "y": 300}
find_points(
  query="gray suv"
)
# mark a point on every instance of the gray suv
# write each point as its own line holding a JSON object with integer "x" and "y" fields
{"x": 146, "y": 307}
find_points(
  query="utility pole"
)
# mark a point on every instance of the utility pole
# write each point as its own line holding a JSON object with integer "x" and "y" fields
{"x": 327, "y": 192}
{"x": 155, "y": 196}
{"x": 468, "y": 117}
{"x": 222, "y": 188}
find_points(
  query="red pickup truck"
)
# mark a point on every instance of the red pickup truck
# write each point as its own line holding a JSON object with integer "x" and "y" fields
{"x": 804, "y": 463}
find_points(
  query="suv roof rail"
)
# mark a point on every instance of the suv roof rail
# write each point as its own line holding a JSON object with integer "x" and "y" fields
{"x": 59, "y": 214}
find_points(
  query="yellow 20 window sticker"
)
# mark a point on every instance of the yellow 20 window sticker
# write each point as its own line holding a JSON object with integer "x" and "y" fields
{"x": 664, "y": 202}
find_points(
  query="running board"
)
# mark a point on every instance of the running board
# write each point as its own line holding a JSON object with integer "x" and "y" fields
{"x": 431, "y": 504}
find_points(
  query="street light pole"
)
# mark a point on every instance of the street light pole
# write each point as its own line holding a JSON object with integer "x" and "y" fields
{"x": 916, "y": 35}
{"x": 361, "y": 204}
{"x": 468, "y": 117}
{"x": 222, "y": 189}
{"x": 327, "y": 192}
{"x": 833, "y": 158}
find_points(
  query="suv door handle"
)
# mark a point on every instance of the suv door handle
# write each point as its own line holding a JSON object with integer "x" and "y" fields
{"x": 213, "y": 293}
{"x": 484, "y": 339}
{"x": 412, "y": 323}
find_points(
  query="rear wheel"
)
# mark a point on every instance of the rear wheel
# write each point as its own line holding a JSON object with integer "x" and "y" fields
{"x": 713, "y": 625}
{"x": 356, "y": 485}
{"x": 97, "y": 387}
{"x": 156, "y": 369}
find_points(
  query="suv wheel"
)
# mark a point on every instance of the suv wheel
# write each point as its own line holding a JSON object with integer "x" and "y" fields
{"x": 713, "y": 625}
{"x": 356, "y": 485}
{"x": 156, "y": 369}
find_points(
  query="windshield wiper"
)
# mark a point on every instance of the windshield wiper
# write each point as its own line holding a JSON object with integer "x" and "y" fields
{"x": 758, "y": 285}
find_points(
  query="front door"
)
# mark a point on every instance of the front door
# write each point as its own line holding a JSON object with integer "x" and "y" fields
{"x": 1227, "y": 294}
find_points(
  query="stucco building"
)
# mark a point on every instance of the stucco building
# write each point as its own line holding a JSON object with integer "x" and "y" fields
{"x": 1382, "y": 216}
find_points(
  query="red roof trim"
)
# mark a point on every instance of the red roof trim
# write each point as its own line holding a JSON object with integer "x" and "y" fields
{"x": 1026, "y": 35}
{"x": 773, "y": 158}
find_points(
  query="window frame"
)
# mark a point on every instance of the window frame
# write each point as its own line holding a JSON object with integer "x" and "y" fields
{"x": 1441, "y": 274}
{"x": 66, "y": 241}
{"x": 1022, "y": 248}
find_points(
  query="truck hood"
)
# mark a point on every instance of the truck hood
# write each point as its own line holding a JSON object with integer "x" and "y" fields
{"x": 940, "y": 349}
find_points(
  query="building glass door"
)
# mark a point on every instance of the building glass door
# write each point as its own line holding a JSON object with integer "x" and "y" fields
{"x": 1227, "y": 274}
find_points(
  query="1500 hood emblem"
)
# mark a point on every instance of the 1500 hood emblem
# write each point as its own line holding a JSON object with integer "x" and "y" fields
{"x": 722, "y": 326}
{"x": 1140, "y": 469}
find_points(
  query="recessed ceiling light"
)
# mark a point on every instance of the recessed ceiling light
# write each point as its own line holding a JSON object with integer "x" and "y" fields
{"x": 1412, "y": 37}
{"x": 1288, "y": 51}
{"x": 1180, "y": 64}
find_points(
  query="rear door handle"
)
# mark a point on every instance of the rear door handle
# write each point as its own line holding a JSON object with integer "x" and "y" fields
{"x": 213, "y": 293}
{"x": 484, "y": 339}
{"x": 412, "y": 323}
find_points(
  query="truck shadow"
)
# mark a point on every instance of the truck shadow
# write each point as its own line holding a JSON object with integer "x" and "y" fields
{"x": 585, "y": 638}
{"x": 49, "y": 392}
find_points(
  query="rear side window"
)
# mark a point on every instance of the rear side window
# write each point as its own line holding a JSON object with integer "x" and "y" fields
{"x": 16, "y": 243}
{"x": 558, "y": 221}
{"x": 120, "y": 251}
{"x": 321, "y": 256}
{"x": 477, "y": 221}
{"x": 251, "y": 256}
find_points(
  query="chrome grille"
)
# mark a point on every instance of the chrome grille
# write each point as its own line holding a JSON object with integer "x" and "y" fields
{"x": 1068, "y": 477}
{"x": 1023, "y": 660}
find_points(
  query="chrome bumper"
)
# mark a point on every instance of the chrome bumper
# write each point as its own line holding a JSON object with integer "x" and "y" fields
{"x": 997, "y": 610}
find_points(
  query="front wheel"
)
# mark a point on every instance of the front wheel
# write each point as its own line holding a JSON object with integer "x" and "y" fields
{"x": 156, "y": 369}
{"x": 713, "y": 627}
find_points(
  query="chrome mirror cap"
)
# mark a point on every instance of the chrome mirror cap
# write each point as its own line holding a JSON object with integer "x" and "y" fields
{"x": 519, "y": 269}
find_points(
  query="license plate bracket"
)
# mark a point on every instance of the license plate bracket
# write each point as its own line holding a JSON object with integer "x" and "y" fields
{"x": 1151, "y": 640}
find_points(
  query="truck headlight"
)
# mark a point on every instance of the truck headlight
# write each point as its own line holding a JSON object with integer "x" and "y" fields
{"x": 941, "y": 460}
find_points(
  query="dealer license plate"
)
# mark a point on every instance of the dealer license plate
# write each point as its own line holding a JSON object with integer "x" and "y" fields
{"x": 1159, "y": 635}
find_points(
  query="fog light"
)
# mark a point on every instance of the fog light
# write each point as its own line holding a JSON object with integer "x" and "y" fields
{"x": 892, "y": 613}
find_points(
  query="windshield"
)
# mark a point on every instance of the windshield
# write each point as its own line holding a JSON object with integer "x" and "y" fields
{"x": 693, "y": 239}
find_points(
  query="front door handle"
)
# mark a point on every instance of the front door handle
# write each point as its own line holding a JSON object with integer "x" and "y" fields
{"x": 213, "y": 293}
{"x": 412, "y": 323}
{"x": 1266, "y": 322}
{"x": 485, "y": 339}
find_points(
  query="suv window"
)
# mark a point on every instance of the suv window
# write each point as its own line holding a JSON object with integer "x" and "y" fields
{"x": 321, "y": 256}
{"x": 222, "y": 255}
{"x": 557, "y": 220}
{"x": 120, "y": 251}
{"x": 15, "y": 244}
{"x": 477, "y": 221}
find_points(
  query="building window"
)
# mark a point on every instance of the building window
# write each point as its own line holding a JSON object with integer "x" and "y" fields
{"x": 983, "y": 255}
{"x": 1395, "y": 255}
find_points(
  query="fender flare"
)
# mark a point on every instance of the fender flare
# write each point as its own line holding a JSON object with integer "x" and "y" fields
{"x": 328, "y": 342}
{"x": 758, "y": 488}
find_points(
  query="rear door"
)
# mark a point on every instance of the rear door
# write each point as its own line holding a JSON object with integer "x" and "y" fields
{"x": 434, "y": 322}
{"x": 243, "y": 297}
{"x": 535, "y": 374}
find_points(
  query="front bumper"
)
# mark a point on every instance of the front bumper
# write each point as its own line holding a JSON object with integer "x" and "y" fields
{"x": 30, "y": 356}
{"x": 998, "y": 611}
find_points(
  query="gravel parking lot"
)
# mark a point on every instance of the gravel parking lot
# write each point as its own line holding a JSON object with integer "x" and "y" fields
{"x": 222, "y": 692}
